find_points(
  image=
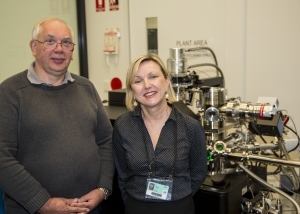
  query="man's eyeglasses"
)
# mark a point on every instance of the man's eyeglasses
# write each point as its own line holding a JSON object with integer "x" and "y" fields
{"x": 52, "y": 44}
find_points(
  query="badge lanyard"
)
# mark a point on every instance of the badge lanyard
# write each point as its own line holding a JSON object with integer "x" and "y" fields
{"x": 159, "y": 187}
{"x": 175, "y": 153}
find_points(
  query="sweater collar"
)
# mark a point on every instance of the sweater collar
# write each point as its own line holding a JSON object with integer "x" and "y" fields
{"x": 35, "y": 79}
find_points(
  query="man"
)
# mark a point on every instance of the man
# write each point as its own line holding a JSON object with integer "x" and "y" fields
{"x": 55, "y": 136}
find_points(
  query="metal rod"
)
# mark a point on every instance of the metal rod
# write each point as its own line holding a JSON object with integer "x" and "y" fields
{"x": 275, "y": 161}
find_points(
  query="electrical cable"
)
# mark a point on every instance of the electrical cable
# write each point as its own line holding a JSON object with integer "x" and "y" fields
{"x": 263, "y": 139}
{"x": 209, "y": 64}
{"x": 295, "y": 132}
{"x": 253, "y": 127}
{"x": 292, "y": 130}
{"x": 289, "y": 190}
{"x": 198, "y": 70}
{"x": 252, "y": 194}
{"x": 276, "y": 171}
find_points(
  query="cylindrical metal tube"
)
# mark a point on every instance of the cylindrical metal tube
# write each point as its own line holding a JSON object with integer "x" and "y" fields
{"x": 176, "y": 64}
{"x": 275, "y": 161}
{"x": 213, "y": 96}
{"x": 252, "y": 147}
{"x": 278, "y": 206}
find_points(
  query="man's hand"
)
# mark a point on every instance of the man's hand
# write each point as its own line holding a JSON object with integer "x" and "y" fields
{"x": 62, "y": 205}
{"x": 91, "y": 200}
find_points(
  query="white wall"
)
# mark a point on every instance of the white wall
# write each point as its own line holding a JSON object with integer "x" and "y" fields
{"x": 16, "y": 22}
{"x": 256, "y": 42}
{"x": 272, "y": 53}
{"x": 100, "y": 73}
{"x": 220, "y": 23}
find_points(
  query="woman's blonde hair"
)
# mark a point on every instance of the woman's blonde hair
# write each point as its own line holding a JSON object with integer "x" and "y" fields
{"x": 131, "y": 74}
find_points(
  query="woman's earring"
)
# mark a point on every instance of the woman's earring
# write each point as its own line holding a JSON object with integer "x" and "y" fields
{"x": 166, "y": 95}
{"x": 135, "y": 102}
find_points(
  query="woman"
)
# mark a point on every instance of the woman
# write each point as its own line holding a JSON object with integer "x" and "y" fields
{"x": 160, "y": 153}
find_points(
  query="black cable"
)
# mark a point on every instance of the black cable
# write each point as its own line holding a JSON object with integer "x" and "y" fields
{"x": 209, "y": 64}
{"x": 276, "y": 171}
{"x": 297, "y": 137}
{"x": 293, "y": 132}
{"x": 263, "y": 139}
{"x": 253, "y": 127}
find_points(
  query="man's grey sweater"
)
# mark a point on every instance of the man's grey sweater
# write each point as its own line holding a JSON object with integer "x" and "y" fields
{"x": 55, "y": 141}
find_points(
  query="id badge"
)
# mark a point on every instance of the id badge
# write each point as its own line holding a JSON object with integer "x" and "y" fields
{"x": 159, "y": 188}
